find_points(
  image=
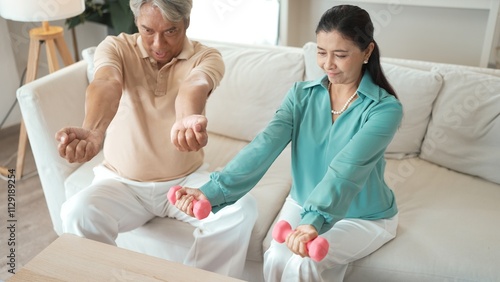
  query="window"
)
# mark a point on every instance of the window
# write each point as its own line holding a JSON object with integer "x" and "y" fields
{"x": 236, "y": 21}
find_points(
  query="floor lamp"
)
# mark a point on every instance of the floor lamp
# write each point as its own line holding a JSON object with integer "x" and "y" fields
{"x": 52, "y": 36}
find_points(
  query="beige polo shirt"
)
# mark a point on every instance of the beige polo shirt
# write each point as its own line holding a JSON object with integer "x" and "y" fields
{"x": 137, "y": 144}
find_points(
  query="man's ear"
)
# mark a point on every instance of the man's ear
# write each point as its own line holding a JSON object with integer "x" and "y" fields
{"x": 186, "y": 22}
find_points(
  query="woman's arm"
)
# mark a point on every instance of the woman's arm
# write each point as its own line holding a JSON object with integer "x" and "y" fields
{"x": 243, "y": 172}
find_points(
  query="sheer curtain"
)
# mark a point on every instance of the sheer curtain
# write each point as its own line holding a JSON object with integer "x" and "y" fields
{"x": 236, "y": 21}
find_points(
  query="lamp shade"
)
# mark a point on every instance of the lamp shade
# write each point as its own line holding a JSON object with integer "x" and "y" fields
{"x": 40, "y": 10}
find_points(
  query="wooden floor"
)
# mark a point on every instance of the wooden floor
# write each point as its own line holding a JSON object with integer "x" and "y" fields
{"x": 33, "y": 227}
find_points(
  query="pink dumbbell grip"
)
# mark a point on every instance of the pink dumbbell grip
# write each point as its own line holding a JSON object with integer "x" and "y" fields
{"x": 316, "y": 248}
{"x": 201, "y": 209}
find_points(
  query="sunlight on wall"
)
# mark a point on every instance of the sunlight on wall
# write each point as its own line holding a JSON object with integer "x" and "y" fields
{"x": 236, "y": 21}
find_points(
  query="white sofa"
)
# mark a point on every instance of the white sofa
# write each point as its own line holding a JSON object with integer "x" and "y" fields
{"x": 443, "y": 164}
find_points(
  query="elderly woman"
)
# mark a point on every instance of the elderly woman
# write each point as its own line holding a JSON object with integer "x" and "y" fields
{"x": 339, "y": 127}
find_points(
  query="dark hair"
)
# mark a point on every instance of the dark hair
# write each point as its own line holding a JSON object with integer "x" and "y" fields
{"x": 355, "y": 24}
{"x": 172, "y": 10}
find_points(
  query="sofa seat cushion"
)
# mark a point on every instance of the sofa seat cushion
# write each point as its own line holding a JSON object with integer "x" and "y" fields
{"x": 166, "y": 235}
{"x": 464, "y": 132}
{"x": 270, "y": 192}
{"x": 447, "y": 228}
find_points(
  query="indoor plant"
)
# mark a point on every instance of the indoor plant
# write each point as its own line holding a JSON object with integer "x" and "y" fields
{"x": 115, "y": 14}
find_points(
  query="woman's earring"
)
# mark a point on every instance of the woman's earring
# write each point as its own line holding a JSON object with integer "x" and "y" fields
{"x": 365, "y": 62}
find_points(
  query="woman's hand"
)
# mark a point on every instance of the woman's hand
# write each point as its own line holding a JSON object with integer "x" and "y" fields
{"x": 79, "y": 145}
{"x": 297, "y": 239}
{"x": 185, "y": 197}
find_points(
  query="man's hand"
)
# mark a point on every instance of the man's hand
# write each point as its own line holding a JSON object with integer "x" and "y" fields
{"x": 190, "y": 133}
{"x": 78, "y": 145}
{"x": 296, "y": 241}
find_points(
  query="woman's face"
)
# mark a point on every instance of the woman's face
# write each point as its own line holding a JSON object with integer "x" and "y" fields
{"x": 340, "y": 58}
{"x": 163, "y": 40}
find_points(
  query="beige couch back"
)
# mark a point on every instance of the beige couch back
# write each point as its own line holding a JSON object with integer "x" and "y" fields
{"x": 451, "y": 113}
{"x": 257, "y": 79}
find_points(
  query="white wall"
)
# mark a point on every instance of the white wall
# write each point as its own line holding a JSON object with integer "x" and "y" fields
{"x": 235, "y": 21}
{"x": 447, "y": 35}
{"x": 9, "y": 78}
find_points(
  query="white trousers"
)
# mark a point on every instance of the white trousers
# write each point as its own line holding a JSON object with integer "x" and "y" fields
{"x": 350, "y": 239}
{"x": 113, "y": 204}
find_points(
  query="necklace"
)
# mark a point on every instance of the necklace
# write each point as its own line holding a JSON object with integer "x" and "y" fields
{"x": 334, "y": 112}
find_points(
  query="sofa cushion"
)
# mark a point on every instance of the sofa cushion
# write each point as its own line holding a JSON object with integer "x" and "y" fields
{"x": 464, "y": 131}
{"x": 312, "y": 71}
{"x": 88, "y": 56}
{"x": 270, "y": 194}
{"x": 417, "y": 89}
{"x": 446, "y": 232}
{"x": 246, "y": 99}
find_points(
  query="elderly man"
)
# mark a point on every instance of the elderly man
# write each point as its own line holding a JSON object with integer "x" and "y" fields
{"x": 145, "y": 109}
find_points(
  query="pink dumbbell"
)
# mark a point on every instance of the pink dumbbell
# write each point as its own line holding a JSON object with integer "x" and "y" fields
{"x": 201, "y": 209}
{"x": 316, "y": 248}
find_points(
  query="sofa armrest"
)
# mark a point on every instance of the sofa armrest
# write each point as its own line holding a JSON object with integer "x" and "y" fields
{"x": 47, "y": 104}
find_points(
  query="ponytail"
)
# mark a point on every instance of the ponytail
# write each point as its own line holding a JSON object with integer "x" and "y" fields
{"x": 374, "y": 68}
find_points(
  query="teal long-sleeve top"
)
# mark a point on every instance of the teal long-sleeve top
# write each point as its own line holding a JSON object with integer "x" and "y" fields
{"x": 337, "y": 167}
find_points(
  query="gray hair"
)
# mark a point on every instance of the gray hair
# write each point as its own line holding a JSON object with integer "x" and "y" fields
{"x": 172, "y": 10}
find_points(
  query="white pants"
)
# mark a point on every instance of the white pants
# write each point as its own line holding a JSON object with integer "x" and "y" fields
{"x": 350, "y": 239}
{"x": 113, "y": 204}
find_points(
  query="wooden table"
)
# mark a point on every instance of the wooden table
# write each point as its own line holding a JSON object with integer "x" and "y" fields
{"x": 71, "y": 258}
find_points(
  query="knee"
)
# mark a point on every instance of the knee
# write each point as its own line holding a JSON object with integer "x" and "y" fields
{"x": 275, "y": 260}
{"x": 276, "y": 255}
{"x": 77, "y": 210}
{"x": 270, "y": 257}
{"x": 279, "y": 256}
{"x": 249, "y": 208}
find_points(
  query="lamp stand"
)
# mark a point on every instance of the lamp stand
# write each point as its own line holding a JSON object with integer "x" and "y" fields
{"x": 53, "y": 37}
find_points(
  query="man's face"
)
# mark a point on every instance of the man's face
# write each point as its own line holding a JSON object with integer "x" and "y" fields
{"x": 163, "y": 40}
